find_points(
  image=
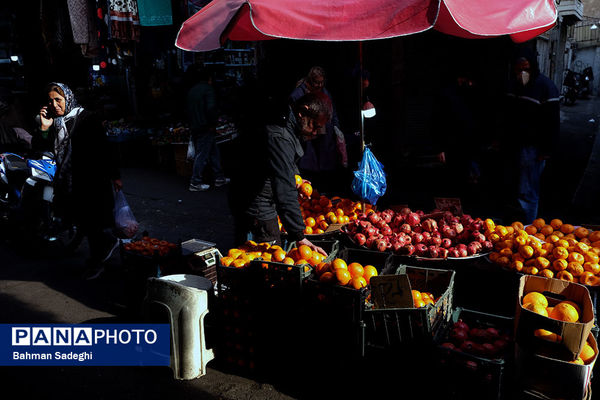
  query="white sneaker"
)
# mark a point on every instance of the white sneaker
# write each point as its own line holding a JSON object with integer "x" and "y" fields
{"x": 222, "y": 181}
{"x": 198, "y": 188}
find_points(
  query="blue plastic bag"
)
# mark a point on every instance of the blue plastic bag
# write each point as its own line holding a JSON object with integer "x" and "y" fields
{"x": 369, "y": 180}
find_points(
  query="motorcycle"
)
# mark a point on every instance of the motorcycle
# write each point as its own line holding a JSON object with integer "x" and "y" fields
{"x": 587, "y": 76}
{"x": 571, "y": 87}
{"x": 27, "y": 201}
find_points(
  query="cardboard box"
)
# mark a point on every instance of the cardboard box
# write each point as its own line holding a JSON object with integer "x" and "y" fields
{"x": 574, "y": 334}
{"x": 551, "y": 377}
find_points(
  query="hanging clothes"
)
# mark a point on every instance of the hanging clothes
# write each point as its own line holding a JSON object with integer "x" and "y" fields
{"x": 155, "y": 12}
{"x": 79, "y": 14}
{"x": 84, "y": 26}
{"x": 124, "y": 20}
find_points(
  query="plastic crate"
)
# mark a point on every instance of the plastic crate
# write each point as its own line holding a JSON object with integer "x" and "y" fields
{"x": 342, "y": 301}
{"x": 236, "y": 280}
{"x": 471, "y": 372}
{"x": 277, "y": 276}
{"x": 394, "y": 327}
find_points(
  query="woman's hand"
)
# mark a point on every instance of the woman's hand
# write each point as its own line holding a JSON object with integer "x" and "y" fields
{"x": 311, "y": 245}
{"x": 45, "y": 120}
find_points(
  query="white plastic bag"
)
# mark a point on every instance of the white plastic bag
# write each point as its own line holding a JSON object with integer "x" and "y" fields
{"x": 125, "y": 223}
{"x": 191, "y": 152}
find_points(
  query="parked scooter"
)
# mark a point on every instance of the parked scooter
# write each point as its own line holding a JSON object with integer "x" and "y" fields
{"x": 26, "y": 200}
{"x": 586, "y": 77}
{"x": 571, "y": 87}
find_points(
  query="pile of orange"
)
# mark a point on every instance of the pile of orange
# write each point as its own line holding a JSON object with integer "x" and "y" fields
{"x": 150, "y": 246}
{"x": 543, "y": 231}
{"x": 557, "y": 255}
{"x": 421, "y": 299}
{"x": 339, "y": 272}
{"x": 240, "y": 257}
{"x": 319, "y": 211}
{"x": 567, "y": 310}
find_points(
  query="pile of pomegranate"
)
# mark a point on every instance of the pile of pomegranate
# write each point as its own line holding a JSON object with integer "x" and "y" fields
{"x": 435, "y": 235}
{"x": 483, "y": 342}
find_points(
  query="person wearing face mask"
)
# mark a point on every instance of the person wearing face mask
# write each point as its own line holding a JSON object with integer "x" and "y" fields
{"x": 532, "y": 116}
{"x": 326, "y": 155}
{"x": 261, "y": 193}
{"x": 86, "y": 173}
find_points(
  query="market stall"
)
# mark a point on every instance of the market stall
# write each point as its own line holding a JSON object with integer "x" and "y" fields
{"x": 402, "y": 281}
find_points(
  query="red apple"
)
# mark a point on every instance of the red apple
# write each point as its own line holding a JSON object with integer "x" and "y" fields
{"x": 360, "y": 239}
{"x": 421, "y": 250}
{"x": 374, "y": 218}
{"x": 413, "y": 219}
{"x": 460, "y": 324}
{"x": 409, "y": 249}
{"x": 429, "y": 225}
{"x": 433, "y": 251}
{"x": 381, "y": 244}
{"x": 405, "y": 228}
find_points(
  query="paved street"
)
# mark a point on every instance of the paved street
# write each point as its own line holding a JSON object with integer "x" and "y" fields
{"x": 46, "y": 288}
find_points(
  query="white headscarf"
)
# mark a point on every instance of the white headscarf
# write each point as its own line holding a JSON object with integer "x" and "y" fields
{"x": 72, "y": 110}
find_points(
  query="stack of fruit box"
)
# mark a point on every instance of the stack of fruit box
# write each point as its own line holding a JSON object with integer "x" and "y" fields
{"x": 546, "y": 367}
{"x": 474, "y": 371}
{"x": 339, "y": 310}
{"x": 138, "y": 267}
{"x": 395, "y": 327}
{"x": 238, "y": 324}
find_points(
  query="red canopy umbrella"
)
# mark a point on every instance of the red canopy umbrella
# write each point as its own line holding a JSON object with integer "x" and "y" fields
{"x": 357, "y": 20}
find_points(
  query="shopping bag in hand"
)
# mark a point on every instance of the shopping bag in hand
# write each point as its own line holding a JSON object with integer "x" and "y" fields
{"x": 191, "y": 151}
{"x": 125, "y": 223}
{"x": 369, "y": 180}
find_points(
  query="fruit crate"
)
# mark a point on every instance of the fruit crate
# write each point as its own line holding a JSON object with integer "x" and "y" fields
{"x": 235, "y": 280}
{"x": 237, "y": 332}
{"x": 472, "y": 372}
{"x": 277, "y": 276}
{"x": 152, "y": 263}
{"x": 254, "y": 333}
{"x": 396, "y": 327}
{"x": 345, "y": 302}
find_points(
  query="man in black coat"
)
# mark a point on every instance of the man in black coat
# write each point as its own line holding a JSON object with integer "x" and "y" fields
{"x": 264, "y": 186}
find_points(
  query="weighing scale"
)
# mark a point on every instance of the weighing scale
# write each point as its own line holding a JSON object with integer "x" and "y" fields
{"x": 202, "y": 257}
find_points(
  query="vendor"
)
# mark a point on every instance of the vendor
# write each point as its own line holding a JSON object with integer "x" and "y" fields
{"x": 267, "y": 190}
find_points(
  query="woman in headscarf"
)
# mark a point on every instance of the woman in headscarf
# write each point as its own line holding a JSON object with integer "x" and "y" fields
{"x": 85, "y": 171}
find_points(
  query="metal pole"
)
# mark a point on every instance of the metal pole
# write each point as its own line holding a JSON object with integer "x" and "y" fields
{"x": 361, "y": 95}
{"x": 360, "y": 108}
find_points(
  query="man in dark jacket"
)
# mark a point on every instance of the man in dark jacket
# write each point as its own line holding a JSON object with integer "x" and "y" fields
{"x": 533, "y": 112}
{"x": 202, "y": 114}
{"x": 267, "y": 190}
